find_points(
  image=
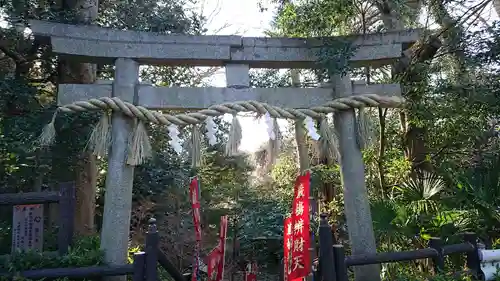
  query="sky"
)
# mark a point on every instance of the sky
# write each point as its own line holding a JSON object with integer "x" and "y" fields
{"x": 243, "y": 17}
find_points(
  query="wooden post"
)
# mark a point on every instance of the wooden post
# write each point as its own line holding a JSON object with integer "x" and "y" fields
{"x": 282, "y": 270}
{"x": 152, "y": 240}
{"x": 139, "y": 266}
{"x": 326, "y": 254}
{"x": 120, "y": 176}
{"x": 473, "y": 261}
{"x": 357, "y": 206}
{"x": 170, "y": 267}
{"x": 66, "y": 211}
{"x": 437, "y": 244}
{"x": 340, "y": 266}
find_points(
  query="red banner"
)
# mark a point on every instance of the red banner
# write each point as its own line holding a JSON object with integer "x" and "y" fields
{"x": 297, "y": 262}
{"x": 251, "y": 272}
{"x": 222, "y": 247}
{"x": 215, "y": 259}
{"x": 194, "y": 195}
{"x": 287, "y": 245}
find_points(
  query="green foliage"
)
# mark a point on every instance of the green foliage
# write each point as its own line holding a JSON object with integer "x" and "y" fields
{"x": 27, "y": 102}
{"x": 421, "y": 195}
{"x": 269, "y": 78}
{"x": 475, "y": 191}
{"x": 459, "y": 139}
{"x": 171, "y": 17}
{"x": 335, "y": 56}
{"x": 408, "y": 275}
{"x": 285, "y": 172}
{"x": 313, "y": 18}
{"x": 18, "y": 156}
{"x": 85, "y": 252}
{"x": 319, "y": 18}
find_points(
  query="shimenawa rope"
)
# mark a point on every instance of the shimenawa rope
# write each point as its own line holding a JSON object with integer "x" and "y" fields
{"x": 146, "y": 115}
{"x": 141, "y": 147}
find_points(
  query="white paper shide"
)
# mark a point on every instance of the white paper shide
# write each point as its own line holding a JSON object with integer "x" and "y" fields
{"x": 211, "y": 128}
{"x": 311, "y": 129}
{"x": 269, "y": 126}
{"x": 175, "y": 141}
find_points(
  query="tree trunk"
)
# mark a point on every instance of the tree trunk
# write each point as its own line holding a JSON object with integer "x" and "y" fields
{"x": 414, "y": 134}
{"x": 496, "y": 5}
{"x": 382, "y": 113}
{"x": 86, "y": 166}
{"x": 453, "y": 35}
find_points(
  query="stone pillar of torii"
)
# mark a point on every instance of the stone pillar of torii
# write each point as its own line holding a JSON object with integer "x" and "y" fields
{"x": 127, "y": 50}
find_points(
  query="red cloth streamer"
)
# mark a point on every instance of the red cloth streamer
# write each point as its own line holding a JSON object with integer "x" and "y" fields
{"x": 213, "y": 258}
{"x": 217, "y": 256}
{"x": 222, "y": 245}
{"x": 297, "y": 239}
{"x": 287, "y": 239}
{"x": 251, "y": 272}
{"x": 194, "y": 194}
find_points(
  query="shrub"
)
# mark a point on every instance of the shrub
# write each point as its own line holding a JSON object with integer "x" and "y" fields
{"x": 84, "y": 252}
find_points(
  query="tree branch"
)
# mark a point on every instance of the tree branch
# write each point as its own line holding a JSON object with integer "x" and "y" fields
{"x": 18, "y": 59}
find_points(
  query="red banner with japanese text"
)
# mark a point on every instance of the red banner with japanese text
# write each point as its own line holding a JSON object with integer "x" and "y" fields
{"x": 222, "y": 247}
{"x": 297, "y": 232}
{"x": 213, "y": 260}
{"x": 194, "y": 195}
{"x": 251, "y": 272}
{"x": 287, "y": 241}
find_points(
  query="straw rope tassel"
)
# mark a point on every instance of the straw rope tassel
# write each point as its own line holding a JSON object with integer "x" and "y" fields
{"x": 195, "y": 148}
{"x": 48, "y": 134}
{"x": 328, "y": 140}
{"x": 274, "y": 145}
{"x": 139, "y": 147}
{"x": 234, "y": 139}
{"x": 100, "y": 138}
{"x": 363, "y": 129}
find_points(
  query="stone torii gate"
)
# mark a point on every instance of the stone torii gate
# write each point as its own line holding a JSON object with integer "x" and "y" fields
{"x": 129, "y": 49}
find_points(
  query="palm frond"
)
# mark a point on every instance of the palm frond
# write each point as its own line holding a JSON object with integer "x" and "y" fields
{"x": 420, "y": 194}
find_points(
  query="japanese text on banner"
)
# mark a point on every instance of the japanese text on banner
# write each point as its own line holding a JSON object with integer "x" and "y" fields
{"x": 299, "y": 260}
{"x": 287, "y": 254}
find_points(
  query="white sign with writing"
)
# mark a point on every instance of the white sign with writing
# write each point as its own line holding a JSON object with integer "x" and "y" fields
{"x": 27, "y": 227}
